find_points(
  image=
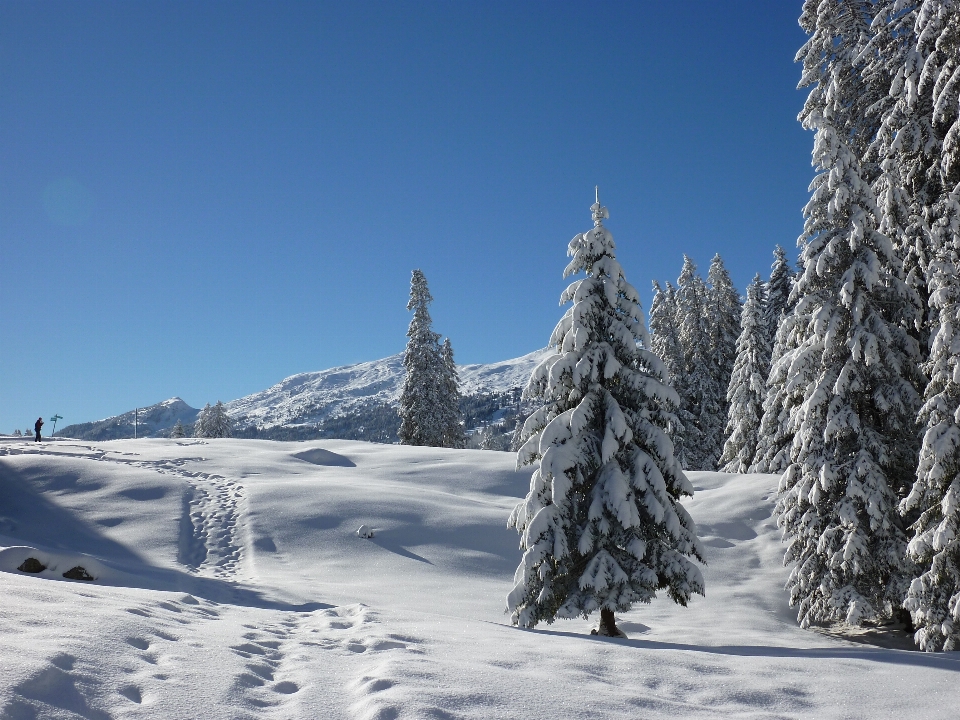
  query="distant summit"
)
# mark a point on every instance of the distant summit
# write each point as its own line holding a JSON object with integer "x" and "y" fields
{"x": 153, "y": 421}
{"x": 351, "y": 402}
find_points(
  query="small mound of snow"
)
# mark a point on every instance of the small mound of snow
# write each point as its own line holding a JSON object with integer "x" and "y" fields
{"x": 319, "y": 456}
{"x": 365, "y": 531}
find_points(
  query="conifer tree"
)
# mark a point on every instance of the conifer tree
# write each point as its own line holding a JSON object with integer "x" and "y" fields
{"x": 213, "y": 422}
{"x": 178, "y": 430}
{"x": 665, "y": 343}
{"x": 602, "y": 527}
{"x": 904, "y": 147}
{"x": 453, "y": 436}
{"x": 421, "y": 399}
{"x": 934, "y": 594}
{"x": 773, "y": 440}
{"x": 697, "y": 386}
{"x": 747, "y": 383}
{"x": 723, "y": 322}
{"x": 202, "y": 425}
{"x": 852, "y": 366}
{"x": 777, "y": 293}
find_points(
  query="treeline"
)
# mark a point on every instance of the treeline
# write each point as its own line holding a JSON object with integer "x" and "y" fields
{"x": 860, "y": 409}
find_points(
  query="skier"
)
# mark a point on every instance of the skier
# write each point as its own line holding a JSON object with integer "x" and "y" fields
{"x": 36, "y": 426}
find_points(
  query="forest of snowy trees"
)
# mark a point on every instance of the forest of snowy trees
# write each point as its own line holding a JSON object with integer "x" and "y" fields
{"x": 846, "y": 378}
{"x": 843, "y": 375}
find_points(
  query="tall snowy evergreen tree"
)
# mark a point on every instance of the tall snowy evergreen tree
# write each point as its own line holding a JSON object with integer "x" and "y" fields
{"x": 178, "y": 430}
{"x": 421, "y": 398}
{"x": 700, "y": 407}
{"x": 777, "y": 293}
{"x": 934, "y": 596}
{"x": 665, "y": 343}
{"x": 453, "y": 436}
{"x": 748, "y": 383}
{"x": 723, "y": 322}
{"x": 602, "y": 527}
{"x": 773, "y": 441}
{"x": 905, "y": 147}
{"x": 852, "y": 370}
{"x": 213, "y": 422}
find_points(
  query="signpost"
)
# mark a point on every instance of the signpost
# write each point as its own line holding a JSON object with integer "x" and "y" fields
{"x": 54, "y": 419}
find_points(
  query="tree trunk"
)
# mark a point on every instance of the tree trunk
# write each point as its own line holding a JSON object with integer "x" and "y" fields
{"x": 608, "y": 623}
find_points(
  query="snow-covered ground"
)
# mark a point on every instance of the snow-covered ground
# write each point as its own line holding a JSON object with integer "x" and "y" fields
{"x": 231, "y": 584}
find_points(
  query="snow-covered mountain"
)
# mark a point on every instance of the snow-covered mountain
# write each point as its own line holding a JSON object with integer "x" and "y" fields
{"x": 149, "y": 421}
{"x": 313, "y": 397}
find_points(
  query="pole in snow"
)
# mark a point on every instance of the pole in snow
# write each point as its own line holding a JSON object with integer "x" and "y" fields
{"x": 54, "y": 419}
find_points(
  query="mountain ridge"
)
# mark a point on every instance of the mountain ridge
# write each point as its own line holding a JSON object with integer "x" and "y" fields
{"x": 299, "y": 405}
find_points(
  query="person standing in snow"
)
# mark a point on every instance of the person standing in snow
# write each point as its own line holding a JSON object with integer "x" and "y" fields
{"x": 36, "y": 426}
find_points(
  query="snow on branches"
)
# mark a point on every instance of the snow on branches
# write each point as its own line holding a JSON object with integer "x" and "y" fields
{"x": 602, "y": 527}
{"x": 430, "y": 397}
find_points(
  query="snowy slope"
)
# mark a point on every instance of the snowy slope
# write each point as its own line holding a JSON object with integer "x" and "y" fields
{"x": 231, "y": 584}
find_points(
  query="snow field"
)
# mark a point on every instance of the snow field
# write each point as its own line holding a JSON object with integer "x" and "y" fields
{"x": 231, "y": 584}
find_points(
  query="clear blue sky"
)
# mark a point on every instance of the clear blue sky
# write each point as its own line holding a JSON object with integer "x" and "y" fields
{"x": 200, "y": 199}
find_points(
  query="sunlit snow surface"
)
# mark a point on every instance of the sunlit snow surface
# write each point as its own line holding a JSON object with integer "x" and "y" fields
{"x": 232, "y": 584}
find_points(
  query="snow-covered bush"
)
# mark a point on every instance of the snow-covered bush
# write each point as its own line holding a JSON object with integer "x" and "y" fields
{"x": 602, "y": 527}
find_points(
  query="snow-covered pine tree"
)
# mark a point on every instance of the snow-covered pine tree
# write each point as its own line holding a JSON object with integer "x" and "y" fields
{"x": 774, "y": 437}
{"x": 934, "y": 596}
{"x": 723, "y": 318}
{"x": 202, "y": 425}
{"x": 453, "y": 436}
{"x": 853, "y": 363}
{"x": 664, "y": 340}
{"x": 747, "y": 383}
{"x": 777, "y": 293}
{"x": 178, "y": 430}
{"x": 665, "y": 343}
{"x": 213, "y": 422}
{"x": 904, "y": 147}
{"x": 221, "y": 424}
{"x": 697, "y": 385}
{"x": 602, "y": 527}
{"x": 421, "y": 407}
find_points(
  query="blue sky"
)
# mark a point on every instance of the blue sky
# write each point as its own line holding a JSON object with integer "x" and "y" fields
{"x": 199, "y": 199}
